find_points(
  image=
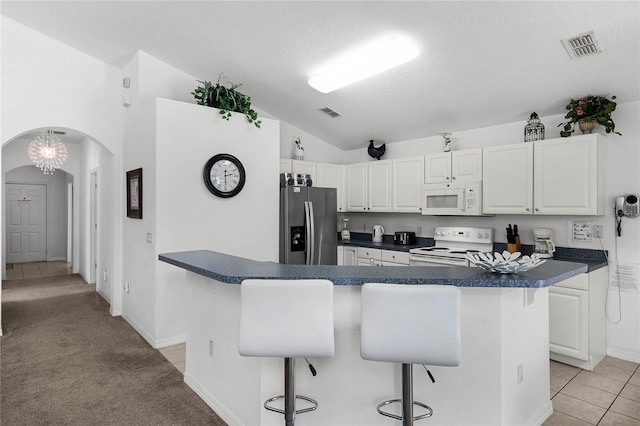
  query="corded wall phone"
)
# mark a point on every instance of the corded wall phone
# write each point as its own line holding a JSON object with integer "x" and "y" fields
{"x": 626, "y": 206}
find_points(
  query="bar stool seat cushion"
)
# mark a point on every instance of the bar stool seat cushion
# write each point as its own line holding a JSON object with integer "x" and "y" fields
{"x": 286, "y": 318}
{"x": 411, "y": 324}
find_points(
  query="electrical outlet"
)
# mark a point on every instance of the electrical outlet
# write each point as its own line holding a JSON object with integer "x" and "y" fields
{"x": 211, "y": 348}
{"x": 126, "y": 286}
{"x": 597, "y": 231}
{"x": 149, "y": 237}
{"x": 520, "y": 373}
{"x": 105, "y": 275}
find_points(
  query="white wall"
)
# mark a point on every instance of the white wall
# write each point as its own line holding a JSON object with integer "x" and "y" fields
{"x": 56, "y": 205}
{"x": 73, "y": 91}
{"x": 189, "y": 217}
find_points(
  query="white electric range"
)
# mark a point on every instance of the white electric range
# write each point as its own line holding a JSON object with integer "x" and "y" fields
{"x": 452, "y": 245}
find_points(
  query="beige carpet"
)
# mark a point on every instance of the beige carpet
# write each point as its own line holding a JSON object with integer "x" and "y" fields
{"x": 66, "y": 361}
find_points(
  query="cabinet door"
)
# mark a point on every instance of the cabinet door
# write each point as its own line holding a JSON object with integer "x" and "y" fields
{"x": 507, "y": 184}
{"x": 407, "y": 184}
{"x": 357, "y": 187}
{"x": 330, "y": 176}
{"x": 568, "y": 322}
{"x": 466, "y": 165}
{"x": 340, "y": 257}
{"x": 568, "y": 176}
{"x": 379, "y": 186}
{"x": 285, "y": 166}
{"x": 305, "y": 168}
{"x": 437, "y": 168}
{"x": 385, "y": 263}
{"x": 366, "y": 262}
{"x": 350, "y": 256}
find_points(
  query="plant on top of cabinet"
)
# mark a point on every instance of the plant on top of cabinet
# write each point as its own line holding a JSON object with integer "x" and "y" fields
{"x": 226, "y": 98}
{"x": 587, "y": 110}
{"x": 376, "y": 151}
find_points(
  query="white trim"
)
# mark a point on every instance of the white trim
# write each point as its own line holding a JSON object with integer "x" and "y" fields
{"x": 220, "y": 409}
{"x": 625, "y": 355}
{"x": 170, "y": 341}
{"x": 137, "y": 327}
{"x": 56, "y": 259}
{"x": 544, "y": 413}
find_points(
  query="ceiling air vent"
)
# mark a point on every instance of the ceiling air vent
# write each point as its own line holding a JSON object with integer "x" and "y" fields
{"x": 331, "y": 112}
{"x": 581, "y": 45}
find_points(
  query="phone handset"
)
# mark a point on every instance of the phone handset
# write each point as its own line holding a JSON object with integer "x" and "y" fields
{"x": 626, "y": 206}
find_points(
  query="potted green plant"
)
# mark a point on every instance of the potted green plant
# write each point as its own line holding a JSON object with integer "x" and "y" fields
{"x": 586, "y": 112}
{"x": 226, "y": 98}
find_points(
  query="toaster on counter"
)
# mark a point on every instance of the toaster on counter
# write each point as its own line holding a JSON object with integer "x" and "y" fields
{"x": 404, "y": 238}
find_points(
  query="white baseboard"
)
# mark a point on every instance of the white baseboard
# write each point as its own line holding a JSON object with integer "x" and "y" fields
{"x": 55, "y": 259}
{"x": 627, "y": 356}
{"x": 223, "y": 412}
{"x": 544, "y": 413}
{"x": 170, "y": 341}
{"x": 137, "y": 327}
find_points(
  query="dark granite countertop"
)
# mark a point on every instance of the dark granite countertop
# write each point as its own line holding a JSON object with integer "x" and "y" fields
{"x": 233, "y": 270}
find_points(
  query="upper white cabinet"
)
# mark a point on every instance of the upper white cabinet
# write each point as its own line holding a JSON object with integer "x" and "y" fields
{"x": 406, "y": 177}
{"x": 285, "y": 165}
{"x": 379, "y": 186}
{"x": 507, "y": 184}
{"x": 331, "y": 176}
{"x": 369, "y": 186}
{"x": 563, "y": 176}
{"x": 568, "y": 175}
{"x": 454, "y": 165}
{"x": 301, "y": 167}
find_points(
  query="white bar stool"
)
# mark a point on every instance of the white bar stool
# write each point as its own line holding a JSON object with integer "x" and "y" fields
{"x": 410, "y": 324}
{"x": 287, "y": 318}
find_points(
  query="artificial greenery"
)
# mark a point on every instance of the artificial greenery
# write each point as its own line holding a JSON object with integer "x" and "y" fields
{"x": 590, "y": 108}
{"x": 226, "y": 98}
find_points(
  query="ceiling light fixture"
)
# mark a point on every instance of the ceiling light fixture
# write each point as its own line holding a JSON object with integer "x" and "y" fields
{"x": 47, "y": 152}
{"x": 372, "y": 61}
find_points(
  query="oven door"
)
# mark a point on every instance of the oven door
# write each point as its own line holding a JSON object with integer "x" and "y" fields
{"x": 421, "y": 260}
{"x": 443, "y": 199}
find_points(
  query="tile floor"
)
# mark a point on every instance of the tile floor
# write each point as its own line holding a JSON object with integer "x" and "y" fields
{"x": 19, "y": 271}
{"x": 610, "y": 395}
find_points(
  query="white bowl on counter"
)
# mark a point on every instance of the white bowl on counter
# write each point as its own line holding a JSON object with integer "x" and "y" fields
{"x": 505, "y": 262}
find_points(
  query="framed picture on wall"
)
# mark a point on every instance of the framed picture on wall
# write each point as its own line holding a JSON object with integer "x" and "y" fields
{"x": 134, "y": 194}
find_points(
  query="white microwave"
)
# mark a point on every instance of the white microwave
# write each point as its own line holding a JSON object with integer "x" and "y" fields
{"x": 452, "y": 199}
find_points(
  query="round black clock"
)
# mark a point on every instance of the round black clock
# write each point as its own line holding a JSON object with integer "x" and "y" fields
{"x": 224, "y": 175}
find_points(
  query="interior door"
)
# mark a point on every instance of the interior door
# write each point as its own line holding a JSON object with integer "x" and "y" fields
{"x": 26, "y": 222}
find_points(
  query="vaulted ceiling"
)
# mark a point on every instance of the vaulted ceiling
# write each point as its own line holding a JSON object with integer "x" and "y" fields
{"x": 481, "y": 63}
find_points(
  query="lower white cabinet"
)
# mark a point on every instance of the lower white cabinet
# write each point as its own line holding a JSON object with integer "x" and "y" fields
{"x": 394, "y": 258}
{"x": 369, "y": 257}
{"x": 577, "y": 319}
{"x": 349, "y": 257}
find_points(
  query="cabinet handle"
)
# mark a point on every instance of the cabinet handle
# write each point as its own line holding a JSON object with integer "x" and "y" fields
{"x": 527, "y": 209}
{"x": 447, "y": 178}
{"x": 453, "y": 178}
{"x": 537, "y": 209}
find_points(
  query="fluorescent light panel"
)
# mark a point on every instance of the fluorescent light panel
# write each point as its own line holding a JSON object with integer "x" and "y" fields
{"x": 387, "y": 55}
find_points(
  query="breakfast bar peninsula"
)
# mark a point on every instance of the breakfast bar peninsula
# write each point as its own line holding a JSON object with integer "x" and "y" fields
{"x": 503, "y": 378}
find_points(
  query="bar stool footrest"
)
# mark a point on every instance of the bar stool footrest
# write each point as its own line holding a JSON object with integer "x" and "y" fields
{"x": 429, "y": 412}
{"x": 302, "y": 410}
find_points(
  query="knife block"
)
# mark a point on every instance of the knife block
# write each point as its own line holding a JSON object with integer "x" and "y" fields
{"x": 512, "y": 248}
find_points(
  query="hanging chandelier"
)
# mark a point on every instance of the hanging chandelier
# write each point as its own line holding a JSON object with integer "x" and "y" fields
{"x": 47, "y": 152}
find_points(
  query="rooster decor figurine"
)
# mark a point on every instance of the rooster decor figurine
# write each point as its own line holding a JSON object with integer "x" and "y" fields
{"x": 376, "y": 151}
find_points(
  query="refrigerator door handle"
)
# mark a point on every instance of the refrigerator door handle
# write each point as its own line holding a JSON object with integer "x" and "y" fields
{"x": 313, "y": 235}
{"x": 307, "y": 230}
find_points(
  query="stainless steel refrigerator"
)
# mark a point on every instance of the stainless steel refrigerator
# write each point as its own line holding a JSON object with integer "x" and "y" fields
{"x": 308, "y": 225}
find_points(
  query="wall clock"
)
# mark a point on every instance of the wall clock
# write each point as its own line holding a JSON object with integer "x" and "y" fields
{"x": 224, "y": 175}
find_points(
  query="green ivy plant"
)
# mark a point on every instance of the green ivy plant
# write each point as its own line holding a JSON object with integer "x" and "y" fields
{"x": 590, "y": 108}
{"x": 226, "y": 98}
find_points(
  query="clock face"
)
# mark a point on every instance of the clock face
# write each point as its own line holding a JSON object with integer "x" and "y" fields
{"x": 224, "y": 175}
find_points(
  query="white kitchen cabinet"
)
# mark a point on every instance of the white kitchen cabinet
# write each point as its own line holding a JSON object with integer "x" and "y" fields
{"x": 451, "y": 166}
{"x": 369, "y": 256}
{"x": 407, "y": 176}
{"x": 577, "y": 319}
{"x": 568, "y": 175}
{"x": 302, "y": 167}
{"x": 369, "y": 186}
{"x": 379, "y": 186}
{"x": 331, "y": 176}
{"x": 394, "y": 258}
{"x": 285, "y": 165}
{"x": 350, "y": 257}
{"x": 340, "y": 254}
{"x": 563, "y": 176}
{"x": 507, "y": 182}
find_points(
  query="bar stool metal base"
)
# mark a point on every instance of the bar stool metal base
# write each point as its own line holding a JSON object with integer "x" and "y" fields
{"x": 406, "y": 401}
{"x": 290, "y": 396}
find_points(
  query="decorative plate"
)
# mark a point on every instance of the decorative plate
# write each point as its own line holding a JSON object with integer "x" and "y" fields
{"x": 505, "y": 262}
